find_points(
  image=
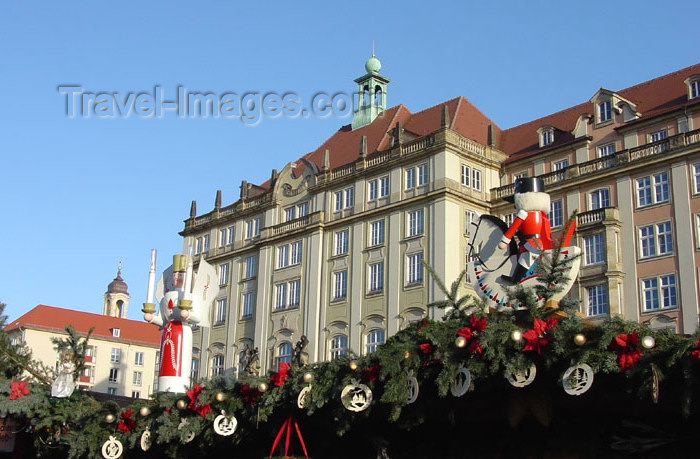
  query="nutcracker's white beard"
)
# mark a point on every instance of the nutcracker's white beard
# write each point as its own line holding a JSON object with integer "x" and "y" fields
{"x": 532, "y": 201}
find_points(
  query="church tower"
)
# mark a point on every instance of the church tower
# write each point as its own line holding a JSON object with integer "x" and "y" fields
{"x": 116, "y": 299}
{"x": 371, "y": 94}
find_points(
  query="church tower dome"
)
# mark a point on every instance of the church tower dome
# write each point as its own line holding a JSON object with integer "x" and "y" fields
{"x": 116, "y": 299}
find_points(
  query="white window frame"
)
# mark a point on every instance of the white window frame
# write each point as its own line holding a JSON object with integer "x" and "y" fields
{"x": 376, "y": 233}
{"x": 340, "y": 242}
{"x": 220, "y": 312}
{"x": 247, "y": 305}
{"x": 594, "y": 249}
{"x": 476, "y": 179}
{"x": 222, "y": 237}
{"x": 696, "y": 178}
{"x": 664, "y": 291}
{"x": 284, "y": 354}
{"x": 340, "y": 285}
{"x": 466, "y": 175}
{"x": 373, "y": 190}
{"x": 252, "y": 227}
{"x": 223, "y": 273}
{"x": 658, "y": 136}
{"x": 112, "y": 390}
{"x": 116, "y": 355}
{"x": 655, "y": 239}
{"x": 344, "y": 199}
{"x": 250, "y": 266}
{"x": 338, "y": 346}
{"x": 116, "y": 332}
{"x": 280, "y": 296}
{"x": 694, "y": 88}
{"x": 198, "y": 245}
{"x": 138, "y": 359}
{"x": 205, "y": 243}
{"x": 302, "y": 209}
{"x": 295, "y": 251}
{"x": 384, "y": 186}
{"x": 218, "y": 365}
{"x": 375, "y": 278}
{"x": 605, "y": 111}
{"x": 113, "y": 375}
{"x": 546, "y": 137}
{"x": 656, "y": 189}
{"x": 290, "y": 213}
{"x": 373, "y": 339}
{"x": 422, "y": 174}
{"x": 597, "y": 202}
{"x": 282, "y": 256}
{"x": 410, "y": 178}
{"x": 414, "y": 223}
{"x": 560, "y": 165}
{"x": 414, "y": 268}
{"x": 556, "y": 213}
{"x": 597, "y": 302}
{"x": 137, "y": 378}
{"x": 605, "y": 150}
{"x": 294, "y": 293}
{"x": 231, "y": 234}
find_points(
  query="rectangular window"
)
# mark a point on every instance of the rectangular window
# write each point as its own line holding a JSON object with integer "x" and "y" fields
{"x": 116, "y": 355}
{"x": 376, "y": 277}
{"x": 606, "y": 150}
{"x": 658, "y": 136}
{"x": 415, "y": 223}
{"x": 476, "y": 179}
{"x": 138, "y": 359}
{"x": 466, "y": 175}
{"x": 294, "y": 293}
{"x": 198, "y": 245}
{"x": 338, "y": 199}
{"x": 283, "y": 256}
{"x": 248, "y": 301}
{"x": 135, "y": 394}
{"x": 547, "y": 137}
{"x": 340, "y": 284}
{"x": 112, "y": 390}
{"x": 222, "y": 237}
{"x": 281, "y": 296}
{"x": 652, "y": 189}
{"x": 113, "y": 375}
{"x": 223, "y": 274}
{"x": 375, "y": 338}
{"x": 349, "y": 197}
{"x": 340, "y": 245}
{"x": 659, "y": 292}
{"x": 656, "y": 239}
{"x": 205, "y": 243}
{"x": 250, "y": 263}
{"x": 289, "y": 213}
{"x": 696, "y": 177}
{"x": 695, "y": 89}
{"x": 344, "y": 199}
{"x": 194, "y": 370}
{"x": 220, "y": 316}
{"x": 594, "y": 246}
{"x": 414, "y": 268}
{"x": 560, "y": 165}
{"x": 339, "y": 346}
{"x": 605, "y": 111}
{"x": 138, "y": 377}
{"x": 422, "y": 174}
{"x": 600, "y": 198}
{"x": 373, "y": 192}
{"x": 252, "y": 228}
{"x": 556, "y": 213}
{"x": 410, "y": 178}
{"x": 231, "y": 234}
{"x": 384, "y": 186}
{"x": 376, "y": 233}
{"x": 597, "y": 300}
{"x": 303, "y": 209}
{"x": 217, "y": 365}
{"x": 116, "y": 332}
{"x": 295, "y": 258}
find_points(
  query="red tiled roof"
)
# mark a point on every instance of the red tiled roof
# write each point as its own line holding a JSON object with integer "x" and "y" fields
{"x": 652, "y": 98}
{"x": 50, "y": 318}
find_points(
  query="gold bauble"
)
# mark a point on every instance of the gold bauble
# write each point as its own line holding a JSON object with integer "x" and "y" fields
{"x": 181, "y": 404}
{"x": 262, "y": 387}
{"x": 516, "y": 335}
{"x": 110, "y": 418}
{"x": 353, "y": 365}
{"x": 220, "y": 397}
{"x": 308, "y": 377}
{"x": 648, "y": 342}
{"x": 579, "y": 339}
{"x": 406, "y": 355}
{"x": 145, "y": 411}
{"x": 460, "y": 341}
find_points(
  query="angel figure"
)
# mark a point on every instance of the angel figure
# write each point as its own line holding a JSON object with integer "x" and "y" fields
{"x": 64, "y": 384}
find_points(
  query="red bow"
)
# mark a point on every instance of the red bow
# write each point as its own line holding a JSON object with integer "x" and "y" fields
{"x": 426, "y": 348}
{"x": 471, "y": 332}
{"x": 696, "y": 353}
{"x": 250, "y": 395}
{"x": 538, "y": 337}
{"x": 421, "y": 324}
{"x": 202, "y": 410}
{"x": 127, "y": 424}
{"x": 278, "y": 378}
{"x": 18, "y": 390}
{"x": 371, "y": 374}
{"x": 627, "y": 349}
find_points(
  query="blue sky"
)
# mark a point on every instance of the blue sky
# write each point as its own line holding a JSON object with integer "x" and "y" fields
{"x": 77, "y": 195}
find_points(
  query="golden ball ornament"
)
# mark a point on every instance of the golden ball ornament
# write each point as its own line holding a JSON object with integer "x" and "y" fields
{"x": 262, "y": 387}
{"x": 144, "y": 411}
{"x": 181, "y": 404}
{"x": 308, "y": 377}
{"x": 648, "y": 342}
{"x": 579, "y": 339}
{"x": 460, "y": 342}
{"x": 406, "y": 354}
{"x": 516, "y": 335}
{"x": 110, "y": 418}
{"x": 220, "y": 397}
{"x": 353, "y": 365}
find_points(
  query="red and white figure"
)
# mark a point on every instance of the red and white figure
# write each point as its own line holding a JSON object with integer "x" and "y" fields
{"x": 185, "y": 300}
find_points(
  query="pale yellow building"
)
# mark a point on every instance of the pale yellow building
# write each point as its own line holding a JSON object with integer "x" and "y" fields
{"x": 330, "y": 246}
{"x": 122, "y": 355}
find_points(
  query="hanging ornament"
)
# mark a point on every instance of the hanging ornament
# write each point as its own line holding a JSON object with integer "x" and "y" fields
{"x": 460, "y": 382}
{"x": 516, "y": 335}
{"x": 413, "y": 389}
{"x": 655, "y": 388}
{"x": 190, "y": 436}
{"x": 181, "y": 404}
{"x": 579, "y": 339}
{"x": 353, "y": 365}
{"x": 308, "y": 377}
{"x": 146, "y": 439}
{"x": 522, "y": 378}
{"x": 144, "y": 411}
{"x": 303, "y": 396}
{"x": 460, "y": 341}
{"x": 262, "y": 387}
{"x": 406, "y": 355}
{"x": 220, "y": 397}
{"x": 224, "y": 425}
{"x": 577, "y": 379}
{"x": 110, "y": 418}
{"x": 355, "y": 396}
{"x": 112, "y": 448}
{"x": 648, "y": 342}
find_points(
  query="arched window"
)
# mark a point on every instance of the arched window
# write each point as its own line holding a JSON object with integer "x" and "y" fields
{"x": 120, "y": 308}
{"x": 217, "y": 365}
{"x": 378, "y": 96}
{"x": 374, "y": 339}
{"x": 365, "y": 96}
{"x": 284, "y": 354}
{"x": 194, "y": 373}
{"x": 339, "y": 346}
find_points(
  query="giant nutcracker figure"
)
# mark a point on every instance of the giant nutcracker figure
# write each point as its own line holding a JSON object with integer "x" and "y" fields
{"x": 185, "y": 300}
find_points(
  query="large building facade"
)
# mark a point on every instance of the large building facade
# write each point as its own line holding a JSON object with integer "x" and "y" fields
{"x": 331, "y": 246}
{"x": 122, "y": 354}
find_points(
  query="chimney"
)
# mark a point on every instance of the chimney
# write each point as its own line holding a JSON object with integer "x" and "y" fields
{"x": 193, "y": 209}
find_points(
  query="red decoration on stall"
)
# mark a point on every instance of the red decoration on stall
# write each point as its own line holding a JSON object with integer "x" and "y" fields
{"x": 278, "y": 378}
{"x": 539, "y": 336}
{"x": 18, "y": 390}
{"x": 193, "y": 393}
{"x": 287, "y": 429}
{"x": 371, "y": 374}
{"x": 249, "y": 394}
{"x": 127, "y": 424}
{"x": 471, "y": 334}
{"x": 627, "y": 349}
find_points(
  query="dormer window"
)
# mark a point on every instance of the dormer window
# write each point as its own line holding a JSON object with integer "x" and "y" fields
{"x": 116, "y": 332}
{"x": 546, "y": 136}
{"x": 604, "y": 111}
{"x": 693, "y": 84}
